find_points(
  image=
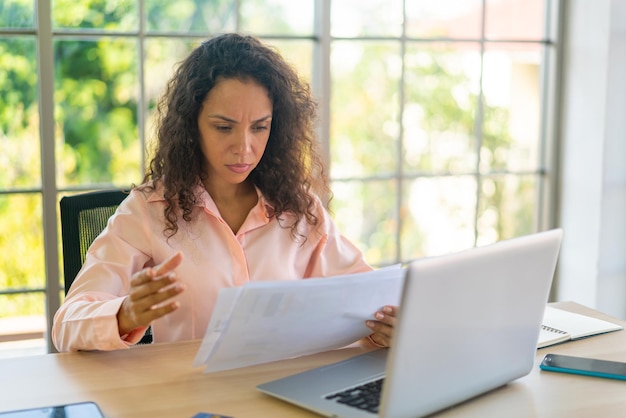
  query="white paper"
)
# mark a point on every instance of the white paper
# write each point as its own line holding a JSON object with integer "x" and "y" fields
{"x": 269, "y": 321}
{"x": 221, "y": 313}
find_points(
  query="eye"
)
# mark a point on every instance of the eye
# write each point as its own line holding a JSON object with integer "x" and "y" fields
{"x": 223, "y": 128}
{"x": 260, "y": 128}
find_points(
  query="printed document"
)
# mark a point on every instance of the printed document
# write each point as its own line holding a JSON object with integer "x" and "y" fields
{"x": 275, "y": 320}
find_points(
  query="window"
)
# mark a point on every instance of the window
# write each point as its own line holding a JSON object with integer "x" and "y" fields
{"x": 440, "y": 143}
{"x": 433, "y": 114}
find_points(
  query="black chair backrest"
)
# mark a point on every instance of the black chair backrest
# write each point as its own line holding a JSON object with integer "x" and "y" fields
{"x": 83, "y": 217}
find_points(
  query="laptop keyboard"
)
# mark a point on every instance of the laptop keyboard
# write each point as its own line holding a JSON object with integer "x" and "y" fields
{"x": 365, "y": 396}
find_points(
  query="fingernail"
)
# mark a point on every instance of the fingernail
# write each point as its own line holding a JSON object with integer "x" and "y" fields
{"x": 387, "y": 309}
{"x": 379, "y": 315}
{"x": 369, "y": 324}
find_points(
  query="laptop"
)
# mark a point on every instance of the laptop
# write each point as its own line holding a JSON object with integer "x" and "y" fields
{"x": 469, "y": 323}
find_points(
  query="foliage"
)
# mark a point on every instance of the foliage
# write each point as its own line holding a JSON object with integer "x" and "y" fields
{"x": 16, "y": 13}
{"x": 434, "y": 155}
{"x": 96, "y": 98}
{"x": 21, "y": 241}
{"x": 95, "y": 14}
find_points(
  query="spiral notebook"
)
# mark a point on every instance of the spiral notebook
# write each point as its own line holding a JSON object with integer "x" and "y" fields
{"x": 559, "y": 326}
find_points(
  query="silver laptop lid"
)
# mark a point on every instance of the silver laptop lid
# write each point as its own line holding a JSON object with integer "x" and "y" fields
{"x": 469, "y": 322}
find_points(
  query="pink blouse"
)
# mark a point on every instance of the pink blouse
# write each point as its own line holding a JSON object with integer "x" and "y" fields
{"x": 214, "y": 257}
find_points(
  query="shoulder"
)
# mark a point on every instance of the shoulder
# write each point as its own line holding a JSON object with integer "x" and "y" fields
{"x": 320, "y": 208}
{"x": 141, "y": 200}
{"x": 149, "y": 192}
{"x": 325, "y": 223}
{"x": 155, "y": 192}
{"x": 316, "y": 208}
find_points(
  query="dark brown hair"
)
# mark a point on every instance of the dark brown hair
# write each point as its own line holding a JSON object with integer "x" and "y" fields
{"x": 290, "y": 168}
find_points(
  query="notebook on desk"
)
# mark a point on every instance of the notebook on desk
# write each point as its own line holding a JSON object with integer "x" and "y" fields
{"x": 469, "y": 322}
{"x": 560, "y": 326}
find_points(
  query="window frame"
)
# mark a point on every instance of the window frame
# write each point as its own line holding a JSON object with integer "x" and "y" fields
{"x": 321, "y": 80}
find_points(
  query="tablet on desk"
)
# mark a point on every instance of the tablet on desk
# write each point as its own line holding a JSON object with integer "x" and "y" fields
{"x": 73, "y": 410}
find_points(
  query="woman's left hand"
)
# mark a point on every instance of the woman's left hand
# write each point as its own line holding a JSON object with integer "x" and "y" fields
{"x": 382, "y": 327}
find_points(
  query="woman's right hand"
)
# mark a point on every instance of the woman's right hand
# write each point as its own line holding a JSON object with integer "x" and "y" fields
{"x": 150, "y": 290}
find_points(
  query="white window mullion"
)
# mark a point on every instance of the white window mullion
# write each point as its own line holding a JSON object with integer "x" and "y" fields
{"x": 321, "y": 75}
{"x": 48, "y": 163}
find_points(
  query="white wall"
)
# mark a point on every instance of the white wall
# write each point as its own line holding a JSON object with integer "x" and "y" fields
{"x": 592, "y": 267}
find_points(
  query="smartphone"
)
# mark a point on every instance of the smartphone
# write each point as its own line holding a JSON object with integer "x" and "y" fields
{"x": 585, "y": 366}
{"x": 72, "y": 410}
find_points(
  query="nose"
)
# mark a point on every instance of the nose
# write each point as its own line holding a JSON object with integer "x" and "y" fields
{"x": 243, "y": 143}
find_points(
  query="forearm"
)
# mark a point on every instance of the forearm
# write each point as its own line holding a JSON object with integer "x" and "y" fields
{"x": 88, "y": 324}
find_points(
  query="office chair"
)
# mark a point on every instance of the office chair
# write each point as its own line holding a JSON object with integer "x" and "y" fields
{"x": 83, "y": 217}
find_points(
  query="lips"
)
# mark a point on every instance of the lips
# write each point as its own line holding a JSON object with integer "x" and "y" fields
{"x": 239, "y": 168}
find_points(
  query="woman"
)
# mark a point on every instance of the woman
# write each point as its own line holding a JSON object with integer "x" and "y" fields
{"x": 229, "y": 197}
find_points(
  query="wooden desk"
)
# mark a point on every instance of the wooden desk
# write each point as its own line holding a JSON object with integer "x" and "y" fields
{"x": 158, "y": 381}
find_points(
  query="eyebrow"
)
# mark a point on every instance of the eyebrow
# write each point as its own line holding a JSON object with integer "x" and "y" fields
{"x": 227, "y": 119}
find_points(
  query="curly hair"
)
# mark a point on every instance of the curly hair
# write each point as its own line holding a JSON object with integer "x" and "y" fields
{"x": 291, "y": 168}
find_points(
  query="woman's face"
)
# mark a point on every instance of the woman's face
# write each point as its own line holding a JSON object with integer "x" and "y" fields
{"x": 234, "y": 126}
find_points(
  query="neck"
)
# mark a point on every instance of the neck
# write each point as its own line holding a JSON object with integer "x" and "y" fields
{"x": 229, "y": 192}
